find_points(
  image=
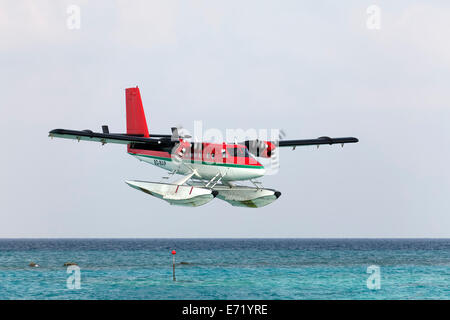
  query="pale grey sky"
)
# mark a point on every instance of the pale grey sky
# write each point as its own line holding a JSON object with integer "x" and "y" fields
{"x": 312, "y": 68}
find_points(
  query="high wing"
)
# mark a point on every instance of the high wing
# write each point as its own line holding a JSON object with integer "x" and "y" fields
{"x": 318, "y": 141}
{"x": 265, "y": 149}
{"x": 118, "y": 138}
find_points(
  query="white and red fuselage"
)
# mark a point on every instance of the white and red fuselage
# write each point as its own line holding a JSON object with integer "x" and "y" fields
{"x": 230, "y": 161}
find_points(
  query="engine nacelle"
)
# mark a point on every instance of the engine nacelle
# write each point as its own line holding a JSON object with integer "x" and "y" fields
{"x": 260, "y": 148}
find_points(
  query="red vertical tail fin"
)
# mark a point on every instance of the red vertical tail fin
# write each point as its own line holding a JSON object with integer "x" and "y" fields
{"x": 136, "y": 123}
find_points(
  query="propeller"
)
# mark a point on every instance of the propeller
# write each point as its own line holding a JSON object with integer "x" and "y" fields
{"x": 177, "y": 133}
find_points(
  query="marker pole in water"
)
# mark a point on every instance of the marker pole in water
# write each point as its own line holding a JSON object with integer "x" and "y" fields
{"x": 173, "y": 256}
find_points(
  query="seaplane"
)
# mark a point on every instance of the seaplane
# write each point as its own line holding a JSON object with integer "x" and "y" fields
{"x": 207, "y": 170}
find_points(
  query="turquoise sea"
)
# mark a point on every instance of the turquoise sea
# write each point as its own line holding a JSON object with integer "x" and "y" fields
{"x": 226, "y": 268}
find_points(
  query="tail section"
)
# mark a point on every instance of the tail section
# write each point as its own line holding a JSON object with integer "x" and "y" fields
{"x": 136, "y": 123}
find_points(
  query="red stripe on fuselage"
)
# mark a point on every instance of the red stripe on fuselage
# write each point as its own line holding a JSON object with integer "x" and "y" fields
{"x": 152, "y": 153}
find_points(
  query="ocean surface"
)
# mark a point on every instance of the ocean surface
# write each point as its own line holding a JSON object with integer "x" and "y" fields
{"x": 226, "y": 269}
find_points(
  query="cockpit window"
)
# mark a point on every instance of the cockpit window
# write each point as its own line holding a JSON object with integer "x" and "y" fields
{"x": 238, "y": 152}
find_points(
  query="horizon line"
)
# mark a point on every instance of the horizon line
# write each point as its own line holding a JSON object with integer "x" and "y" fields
{"x": 224, "y": 238}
